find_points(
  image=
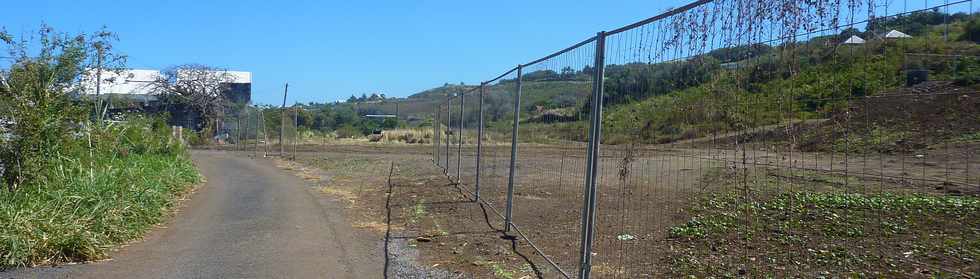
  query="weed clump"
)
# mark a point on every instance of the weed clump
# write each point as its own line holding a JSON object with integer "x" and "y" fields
{"x": 829, "y": 232}
{"x": 87, "y": 200}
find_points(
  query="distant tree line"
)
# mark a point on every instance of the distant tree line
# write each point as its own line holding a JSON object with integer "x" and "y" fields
{"x": 365, "y": 98}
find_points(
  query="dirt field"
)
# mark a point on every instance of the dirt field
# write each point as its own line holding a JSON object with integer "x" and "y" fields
{"x": 648, "y": 198}
{"x": 426, "y": 212}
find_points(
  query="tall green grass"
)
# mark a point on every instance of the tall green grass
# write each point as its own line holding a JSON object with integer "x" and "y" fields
{"x": 113, "y": 186}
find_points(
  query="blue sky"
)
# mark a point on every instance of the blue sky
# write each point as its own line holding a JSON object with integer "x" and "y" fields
{"x": 328, "y": 50}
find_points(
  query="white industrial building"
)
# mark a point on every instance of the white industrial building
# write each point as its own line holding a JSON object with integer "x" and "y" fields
{"x": 130, "y": 91}
{"x": 134, "y": 82}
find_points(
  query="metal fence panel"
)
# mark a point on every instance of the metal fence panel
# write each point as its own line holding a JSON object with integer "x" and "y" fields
{"x": 552, "y": 132}
{"x": 735, "y": 138}
{"x": 495, "y": 153}
{"x": 776, "y": 146}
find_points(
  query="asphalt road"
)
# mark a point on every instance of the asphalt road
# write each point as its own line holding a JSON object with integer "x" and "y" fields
{"x": 251, "y": 220}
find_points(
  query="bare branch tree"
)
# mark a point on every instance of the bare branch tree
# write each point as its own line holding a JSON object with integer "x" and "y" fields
{"x": 200, "y": 87}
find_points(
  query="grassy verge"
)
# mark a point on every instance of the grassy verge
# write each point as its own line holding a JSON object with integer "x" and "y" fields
{"x": 89, "y": 200}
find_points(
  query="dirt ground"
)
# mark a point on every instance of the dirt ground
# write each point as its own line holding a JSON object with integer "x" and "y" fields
{"x": 426, "y": 214}
{"x": 644, "y": 192}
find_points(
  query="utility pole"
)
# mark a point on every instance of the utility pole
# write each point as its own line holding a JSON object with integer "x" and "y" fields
{"x": 282, "y": 116}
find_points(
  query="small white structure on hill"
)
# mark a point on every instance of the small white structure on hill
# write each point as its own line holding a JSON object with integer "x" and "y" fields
{"x": 854, "y": 40}
{"x": 895, "y": 34}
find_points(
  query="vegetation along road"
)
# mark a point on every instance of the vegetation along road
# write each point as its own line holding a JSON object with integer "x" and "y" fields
{"x": 250, "y": 220}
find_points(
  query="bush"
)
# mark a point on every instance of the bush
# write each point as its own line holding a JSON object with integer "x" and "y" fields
{"x": 967, "y": 72}
{"x": 348, "y": 131}
{"x": 138, "y": 135}
{"x": 37, "y": 114}
{"x": 972, "y": 32}
{"x": 76, "y": 186}
{"x": 116, "y": 190}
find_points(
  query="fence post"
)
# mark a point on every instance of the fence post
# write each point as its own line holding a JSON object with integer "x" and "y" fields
{"x": 509, "y": 211}
{"x": 479, "y": 143}
{"x": 238, "y": 130}
{"x": 591, "y": 165}
{"x": 295, "y": 131}
{"x": 258, "y": 117}
{"x": 449, "y": 127}
{"x": 459, "y": 144}
{"x": 243, "y": 138}
{"x": 435, "y": 133}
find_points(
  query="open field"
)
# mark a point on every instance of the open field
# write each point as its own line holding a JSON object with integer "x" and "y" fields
{"x": 676, "y": 210}
{"x": 425, "y": 212}
{"x": 691, "y": 145}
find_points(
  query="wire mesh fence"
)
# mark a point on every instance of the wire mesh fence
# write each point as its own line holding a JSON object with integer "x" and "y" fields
{"x": 289, "y": 134}
{"x": 724, "y": 138}
{"x": 744, "y": 138}
{"x": 497, "y": 136}
{"x": 550, "y": 163}
{"x": 467, "y": 145}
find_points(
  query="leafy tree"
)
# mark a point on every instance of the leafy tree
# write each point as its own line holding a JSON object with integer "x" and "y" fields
{"x": 540, "y": 75}
{"x": 37, "y": 114}
{"x": 732, "y": 54}
{"x": 637, "y": 81}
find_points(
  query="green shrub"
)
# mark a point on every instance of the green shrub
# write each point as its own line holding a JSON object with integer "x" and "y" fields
{"x": 83, "y": 205}
{"x": 34, "y": 108}
{"x": 117, "y": 180}
{"x": 348, "y": 131}
{"x": 76, "y": 186}
{"x": 967, "y": 72}
{"x": 972, "y": 32}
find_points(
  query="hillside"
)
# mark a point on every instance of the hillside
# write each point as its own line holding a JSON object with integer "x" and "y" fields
{"x": 826, "y": 80}
{"x": 722, "y": 91}
{"x": 440, "y": 92}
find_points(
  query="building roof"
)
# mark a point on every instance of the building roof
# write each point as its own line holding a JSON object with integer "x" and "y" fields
{"x": 135, "y": 81}
{"x": 854, "y": 40}
{"x": 895, "y": 34}
{"x": 240, "y": 77}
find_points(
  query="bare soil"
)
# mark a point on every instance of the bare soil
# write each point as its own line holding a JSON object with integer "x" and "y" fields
{"x": 644, "y": 193}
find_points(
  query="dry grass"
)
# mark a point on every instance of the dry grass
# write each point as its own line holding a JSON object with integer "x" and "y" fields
{"x": 410, "y": 136}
